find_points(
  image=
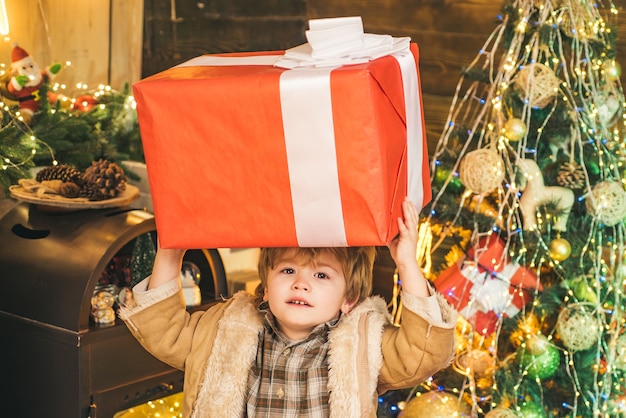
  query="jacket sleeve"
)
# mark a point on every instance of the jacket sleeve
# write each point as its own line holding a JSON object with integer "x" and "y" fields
{"x": 422, "y": 344}
{"x": 164, "y": 327}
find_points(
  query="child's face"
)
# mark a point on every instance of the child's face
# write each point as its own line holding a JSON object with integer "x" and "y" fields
{"x": 302, "y": 295}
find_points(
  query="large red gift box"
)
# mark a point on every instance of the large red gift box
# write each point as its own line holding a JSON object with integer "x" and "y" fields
{"x": 485, "y": 286}
{"x": 242, "y": 153}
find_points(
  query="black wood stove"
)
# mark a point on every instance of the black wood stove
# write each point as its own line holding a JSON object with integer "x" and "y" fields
{"x": 56, "y": 361}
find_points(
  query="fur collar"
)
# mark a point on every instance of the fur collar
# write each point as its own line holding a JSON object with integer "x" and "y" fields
{"x": 355, "y": 360}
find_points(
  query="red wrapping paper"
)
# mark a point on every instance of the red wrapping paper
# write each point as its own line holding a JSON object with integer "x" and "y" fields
{"x": 457, "y": 284}
{"x": 216, "y": 157}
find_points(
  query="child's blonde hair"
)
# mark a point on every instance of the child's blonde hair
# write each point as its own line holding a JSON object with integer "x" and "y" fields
{"x": 357, "y": 264}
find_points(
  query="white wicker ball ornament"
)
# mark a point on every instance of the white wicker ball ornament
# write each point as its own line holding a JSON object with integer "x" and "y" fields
{"x": 538, "y": 83}
{"x": 572, "y": 18}
{"x": 620, "y": 353}
{"x": 607, "y": 202}
{"x": 578, "y": 326}
{"x": 481, "y": 170}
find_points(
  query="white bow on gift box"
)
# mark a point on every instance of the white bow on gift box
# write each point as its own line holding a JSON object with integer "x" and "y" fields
{"x": 490, "y": 292}
{"x": 340, "y": 41}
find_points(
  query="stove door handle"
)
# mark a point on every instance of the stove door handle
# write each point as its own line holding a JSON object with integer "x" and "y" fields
{"x": 93, "y": 409}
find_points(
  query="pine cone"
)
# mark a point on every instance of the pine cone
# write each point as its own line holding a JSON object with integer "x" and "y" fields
{"x": 63, "y": 172}
{"x": 571, "y": 175}
{"x": 69, "y": 189}
{"x": 91, "y": 192}
{"x": 103, "y": 180}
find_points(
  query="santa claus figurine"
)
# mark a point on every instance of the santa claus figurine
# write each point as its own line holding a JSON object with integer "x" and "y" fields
{"x": 26, "y": 80}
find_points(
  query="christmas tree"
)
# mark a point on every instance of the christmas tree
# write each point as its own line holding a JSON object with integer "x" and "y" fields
{"x": 525, "y": 234}
{"x": 142, "y": 258}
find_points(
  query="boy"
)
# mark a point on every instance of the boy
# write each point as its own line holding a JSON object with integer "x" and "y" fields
{"x": 310, "y": 344}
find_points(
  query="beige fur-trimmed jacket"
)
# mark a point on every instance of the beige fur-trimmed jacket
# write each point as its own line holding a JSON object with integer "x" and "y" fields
{"x": 367, "y": 355}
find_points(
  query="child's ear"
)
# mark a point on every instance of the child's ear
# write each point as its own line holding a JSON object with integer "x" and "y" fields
{"x": 347, "y": 306}
{"x": 265, "y": 294}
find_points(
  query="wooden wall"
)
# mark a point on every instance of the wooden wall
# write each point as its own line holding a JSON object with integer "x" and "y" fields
{"x": 448, "y": 32}
{"x": 120, "y": 41}
{"x": 101, "y": 38}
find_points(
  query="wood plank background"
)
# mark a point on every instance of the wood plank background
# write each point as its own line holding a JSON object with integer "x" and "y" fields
{"x": 102, "y": 39}
{"x": 449, "y": 33}
{"x": 116, "y": 42}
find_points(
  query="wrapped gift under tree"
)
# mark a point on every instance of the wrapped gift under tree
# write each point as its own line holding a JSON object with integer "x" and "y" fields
{"x": 486, "y": 286}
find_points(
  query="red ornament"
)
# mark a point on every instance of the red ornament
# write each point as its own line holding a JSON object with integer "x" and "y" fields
{"x": 84, "y": 103}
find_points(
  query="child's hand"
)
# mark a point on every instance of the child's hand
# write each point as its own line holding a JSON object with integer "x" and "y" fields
{"x": 404, "y": 246}
{"x": 167, "y": 264}
{"x": 403, "y": 251}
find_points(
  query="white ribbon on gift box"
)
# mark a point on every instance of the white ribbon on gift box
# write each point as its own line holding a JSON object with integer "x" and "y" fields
{"x": 309, "y": 136}
{"x": 490, "y": 293}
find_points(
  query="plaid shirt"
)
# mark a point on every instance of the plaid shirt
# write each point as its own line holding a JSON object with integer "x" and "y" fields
{"x": 289, "y": 379}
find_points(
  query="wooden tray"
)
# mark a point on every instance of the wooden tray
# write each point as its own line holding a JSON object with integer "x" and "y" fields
{"x": 128, "y": 196}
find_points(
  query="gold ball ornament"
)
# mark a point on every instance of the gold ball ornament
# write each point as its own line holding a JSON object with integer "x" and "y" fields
{"x": 435, "y": 404}
{"x": 612, "y": 70}
{"x": 560, "y": 249}
{"x": 514, "y": 129}
{"x": 481, "y": 170}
